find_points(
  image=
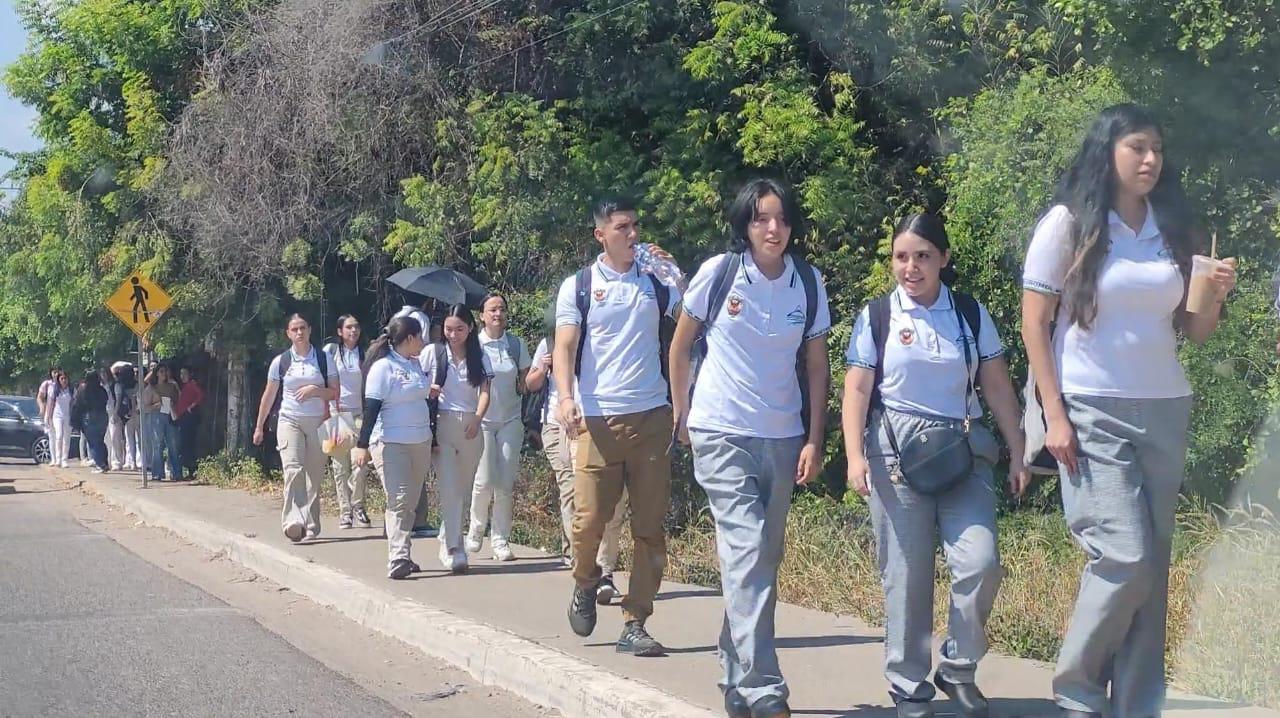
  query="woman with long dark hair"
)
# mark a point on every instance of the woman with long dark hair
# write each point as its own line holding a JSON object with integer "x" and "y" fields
{"x": 754, "y": 310}
{"x": 57, "y": 416}
{"x": 349, "y": 480}
{"x": 305, "y": 382}
{"x": 915, "y": 360}
{"x": 159, "y": 397}
{"x": 463, "y": 402}
{"x": 1104, "y": 294}
{"x": 91, "y": 405}
{"x": 397, "y": 430}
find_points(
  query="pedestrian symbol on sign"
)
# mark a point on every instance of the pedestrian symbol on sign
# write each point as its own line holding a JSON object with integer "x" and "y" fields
{"x": 140, "y": 295}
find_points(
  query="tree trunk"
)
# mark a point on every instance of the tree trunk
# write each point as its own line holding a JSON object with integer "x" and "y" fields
{"x": 237, "y": 429}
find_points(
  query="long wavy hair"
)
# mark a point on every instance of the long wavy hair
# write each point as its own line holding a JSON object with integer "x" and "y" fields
{"x": 1088, "y": 190}
{"x": 475, "y": 355}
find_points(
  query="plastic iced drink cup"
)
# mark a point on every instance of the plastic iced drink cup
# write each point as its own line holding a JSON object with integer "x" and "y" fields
{"x": 1202, "y": 295}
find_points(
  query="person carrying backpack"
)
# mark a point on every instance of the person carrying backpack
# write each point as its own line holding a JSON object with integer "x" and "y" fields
{"x": 305, "y": 382}
{"x": 751, "y": 314}
{"x": 613, "y": 402}
{"x": 917, "y": 449}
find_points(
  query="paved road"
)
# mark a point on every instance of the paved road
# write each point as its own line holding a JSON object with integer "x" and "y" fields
{"x": 89, "y": 628}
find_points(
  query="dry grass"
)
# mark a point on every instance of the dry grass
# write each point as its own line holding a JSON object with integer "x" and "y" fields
{"x": 1224, "y": 629}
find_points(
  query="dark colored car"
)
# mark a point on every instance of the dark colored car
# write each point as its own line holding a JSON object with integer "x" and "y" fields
{"x": 22, "y": 432}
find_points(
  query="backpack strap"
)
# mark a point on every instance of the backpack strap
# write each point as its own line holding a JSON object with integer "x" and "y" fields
{"x": 720, "y": 287}
{"x": 582, "y": 294}
{"x": 442, "y": 364}
{"x": 661, "y": 293}
{"x": 322, "y": 363}
{"x": 809, "y": 279}
{"x": 968, "y": 309}
{"x": 513, "y": 350}
{"x": 878, "y": 314}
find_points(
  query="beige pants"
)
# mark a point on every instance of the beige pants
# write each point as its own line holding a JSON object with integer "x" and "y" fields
{"x": 303, "y": 461}
{"x": 455, "y": 475}
{"x": 349, "y": 480}
{"x": 560, "y": 455}
{"x": 402, "y": 468}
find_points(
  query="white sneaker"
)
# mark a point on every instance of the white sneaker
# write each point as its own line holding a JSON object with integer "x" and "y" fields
{"x": 96, "y": 470}
{"x": 63, "y": 465}
{"x": 86, "y": 462}
{"x": 129, "y": 467}
{"x": 445, "y": 559}
{"x": 458, "y": 562}
{"x": 474, "y": 543}
{"x": 117, "y": 467}
{"x": 502, "y": 552}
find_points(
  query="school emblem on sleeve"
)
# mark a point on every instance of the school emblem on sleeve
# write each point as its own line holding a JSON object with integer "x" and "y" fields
{"x": 735, "y": 305}
{"x": 598, "y": 294}
{"x": 906, "y": 337}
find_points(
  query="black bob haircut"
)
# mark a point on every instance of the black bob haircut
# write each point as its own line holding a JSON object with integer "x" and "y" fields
{"x": 746, "y": 206}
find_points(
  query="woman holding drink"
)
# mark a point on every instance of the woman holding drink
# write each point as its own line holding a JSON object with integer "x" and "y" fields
{"x": 1111, "y": 266}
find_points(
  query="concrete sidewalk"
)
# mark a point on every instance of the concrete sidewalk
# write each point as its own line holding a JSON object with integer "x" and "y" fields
{"x": 506, "y": 624}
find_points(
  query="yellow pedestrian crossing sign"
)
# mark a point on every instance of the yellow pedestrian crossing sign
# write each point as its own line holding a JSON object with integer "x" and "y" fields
{"x": 139, "y": 303}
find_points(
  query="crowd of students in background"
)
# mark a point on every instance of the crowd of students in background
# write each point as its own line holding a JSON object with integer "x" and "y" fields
{"x": 744, "y": 383}
{"x": 117, "y": 423}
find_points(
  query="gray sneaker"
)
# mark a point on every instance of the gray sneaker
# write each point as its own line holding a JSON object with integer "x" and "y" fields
{"x": 637, "y": 641}
{"x": 344, "y": 521}
{"x": 360, "y": 518}
{"x": 400, "y": 569}
{"x": 582, "y": 611}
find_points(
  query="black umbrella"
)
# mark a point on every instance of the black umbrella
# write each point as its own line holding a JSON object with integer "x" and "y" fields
{"x": 440, "y": 283}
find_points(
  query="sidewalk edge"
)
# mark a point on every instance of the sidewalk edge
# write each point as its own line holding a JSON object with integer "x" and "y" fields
{"x": 494, "y": 656}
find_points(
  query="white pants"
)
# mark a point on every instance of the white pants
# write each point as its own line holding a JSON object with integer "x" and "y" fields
{"x": 115, "y": 443}
{"x": 132, "y": 450}
{"x": 496, "y": 480}
{"x": 402, "y": 468}
{"x": 455, "y": 474}
{"x": 298, "y": 439}
{"x": 60, "y": 438}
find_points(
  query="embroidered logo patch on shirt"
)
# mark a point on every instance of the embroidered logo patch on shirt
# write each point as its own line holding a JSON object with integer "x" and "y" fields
{"x": 598, "y": 294}
{"x": 906, "y": 337}
{"x": 796, "y": 317}
{"x": 735, "y": 305}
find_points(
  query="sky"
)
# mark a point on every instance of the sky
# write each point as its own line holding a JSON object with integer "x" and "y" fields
{"x": 15, "y": 118}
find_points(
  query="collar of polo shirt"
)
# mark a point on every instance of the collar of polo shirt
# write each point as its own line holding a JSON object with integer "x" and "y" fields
{"x": 749, "y": 266}
{"x": 610, "y": 275}
{"x": 908, "y": 304}
{"x": 1150, "y": 228}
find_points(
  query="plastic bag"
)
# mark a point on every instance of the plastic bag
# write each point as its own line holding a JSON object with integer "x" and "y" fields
{"x": 337, "y": 435}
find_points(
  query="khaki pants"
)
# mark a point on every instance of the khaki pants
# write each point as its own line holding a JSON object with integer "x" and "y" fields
{"x": 349, "y": 480}
{"x": 455, "y": 475}
{"x": 402, "y": 468}
{"x": 558, "y": 453}
{"x": 617, "y": 453}
{"x": 303, "y": 462}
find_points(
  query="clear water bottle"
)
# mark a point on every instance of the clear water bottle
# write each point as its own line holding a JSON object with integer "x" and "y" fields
{"x": 666, "y": 270}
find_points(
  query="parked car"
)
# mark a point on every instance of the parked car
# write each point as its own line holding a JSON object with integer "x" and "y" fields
{"x": 22, "y": 432}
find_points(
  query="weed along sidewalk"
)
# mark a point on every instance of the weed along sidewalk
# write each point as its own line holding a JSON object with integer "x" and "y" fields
{"x": 506, "y": 625}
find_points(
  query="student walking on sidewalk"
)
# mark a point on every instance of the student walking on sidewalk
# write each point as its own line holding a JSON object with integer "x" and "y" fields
{"x": 461, "y": 370}
{"x": 300, "y": 384}
{"x": 349, "y": 480}
{"x": 186, "y": 416}
{"x": 560, "y": 453}
{"x": 608, "y": 317}
{"x": 754, "y": 311}
{"x": 1109, "y": 266}
{"x": 918, "y": 451}
{"x": 90, "y": 406}
{"x": 502, "y": 431}
{"x": 397, "y": 431}
{"x": 115, "y": 427}
{"x": 126, "y": 396}
{"x": 159, "y": 398}
{"x": 58, "y": 418}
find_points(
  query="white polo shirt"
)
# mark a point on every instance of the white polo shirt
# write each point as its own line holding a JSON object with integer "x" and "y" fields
{"x": 403, "y": 387}
{"x": 421, "y": 316}
{"x": 457, "y": 394}
{"x": 1131, "y": 351}
{"x": 747, "y": 385}
{"x": 303, "y": 371}
{"x": 924, "y": 367}
{"x": 621, "y": 371}
{"x": 549, "y": 409}
{"x": 504, "y": 399}
{"x": 349, "y": 375}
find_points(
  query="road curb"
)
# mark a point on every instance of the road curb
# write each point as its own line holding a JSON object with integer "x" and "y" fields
{"x": 494, "y": 656}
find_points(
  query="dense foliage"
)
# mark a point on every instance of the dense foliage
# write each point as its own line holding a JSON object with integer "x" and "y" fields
{"x": 262, "y": 156}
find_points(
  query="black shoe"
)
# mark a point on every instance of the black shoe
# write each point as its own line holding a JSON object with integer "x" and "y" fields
{"x": 770, "y": 707}
{"x": 915, "y": 709}
{"x": 606, "y": 591}
{"x": 582, "y": 611}
{"x": 400, "y": 568}
{"x": 970, "y": 703}
{"x": 735, "y": 706}
{"x": 637, "y": 641}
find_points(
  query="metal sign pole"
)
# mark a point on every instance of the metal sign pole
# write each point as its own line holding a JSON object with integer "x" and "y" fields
{"x": 142, "y": 430}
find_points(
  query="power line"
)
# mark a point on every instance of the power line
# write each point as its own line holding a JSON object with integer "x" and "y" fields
{"x": 578, "y": 24}
{"x": 457, "y": 16}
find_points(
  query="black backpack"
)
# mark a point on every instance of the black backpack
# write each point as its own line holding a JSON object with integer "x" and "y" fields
{"x": 286, "y": 361}
{"x": 666, "y": 325}
{"x": 720, "y": 287}
{"x": 433, "y": 405}
{"x": 124, "y": 402}
{"x": 878, "y": 314}
{"x": 532, "y": 404}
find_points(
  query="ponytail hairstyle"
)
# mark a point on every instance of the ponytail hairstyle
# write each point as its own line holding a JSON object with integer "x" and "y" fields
{"x": 931, "y": 229}
{"x": 475, "y": 355}
{"x": 397, "y": 332}
{"x": 746, "y": 205}
{"x": 1088, "y": 191}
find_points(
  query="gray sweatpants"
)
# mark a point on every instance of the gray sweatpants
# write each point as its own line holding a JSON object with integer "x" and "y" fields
{"x": 907, "y": 527}
{"x": 748, "y": 481}
{"x": 1120, "y": 509}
